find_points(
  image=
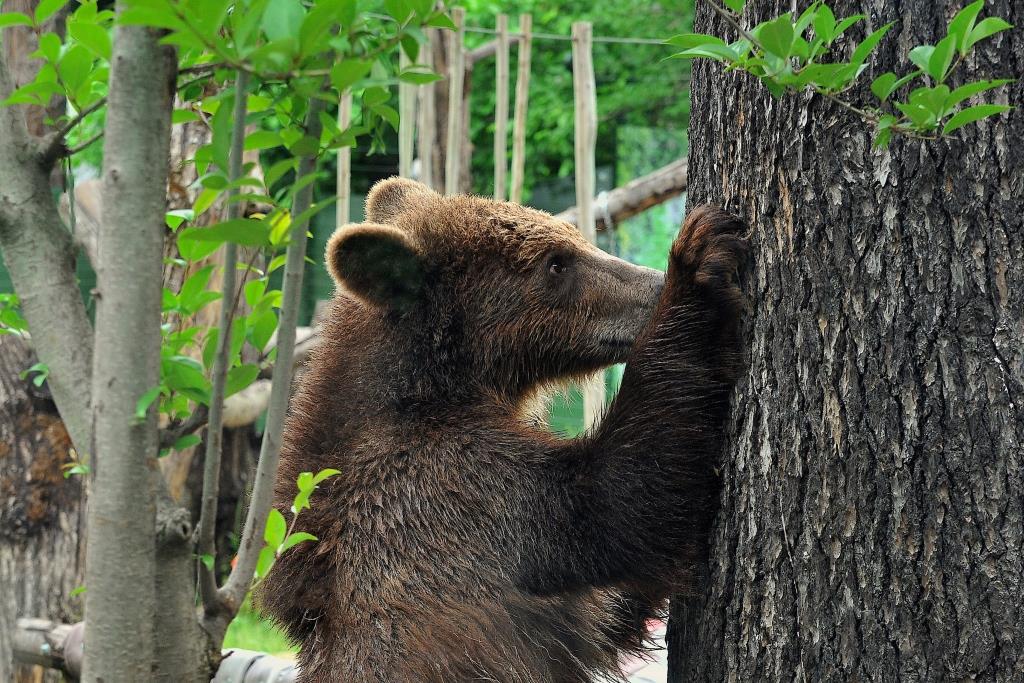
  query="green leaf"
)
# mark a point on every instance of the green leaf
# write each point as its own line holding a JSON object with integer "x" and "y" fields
{"x": 146, "y": 400}
{"x": 204, "y": 201}
{"x": 266, "y": 560}
{"x": 921, "y": 55}
{"x": 283, "y": 19}
{"x": 47, "y": 8}
{"x": 398, "y": 9}
{"x": 325, "y": 474}
{"x": 92, "y": 36}
{"x": 863, "y": 51}
{"x": 305, "y": 146}
{"x": 806, "y": 18}
{"x": 347, "y": 72}
{"x": 210, "y": 347}
{"x": 74, "y": 67}
{"x": 263, "y": 139}
{"x": 221, "y": 124}
{"x": 418, "y": 76}
{"x": 176, "y": 217}
{"x": 985, "y": 28}
{"x": 262, "y": 328}
{"x": 933, "y": 99}
{"x": 777, "y": 35}
{"x": 963, "y": 22}
{"x": 972, "y": 114}
{"x": 245, "y": 231}
{"x": 276, "y": 262}
{"x": 14, "y": 19}
{"x": 735, "y": 5}
{"x": 183, "y": 116}
{"x": 941, "y": 58}
{"x": 296, "y": 538}
{"x": 275, "y": 529}
{"x": 883, "y": 86}
{"x": 845, "y": 24}
{"x": 207, "y": 561}
{"x": 824, "y": 24}
{"x": 186, "y": 441}
{"x": 886, "y": 84}
{"x": 194, "y": 286}
{"x": 922, "y": 117}
{"x": 716, "y": 52}
{"x": 240, "y": 377}
{"x": 441, "y": 20}
{"x": 184, "y": 374}
{"x": 301, "y": 501}
{"x": 78, "y": 590}
{"x": 253, "y": 291}
{"x": 304, "y": 481}
{"x": 685, "y": 41}
{"x": 41, "y": 371}
{"x": 971, "y": 89}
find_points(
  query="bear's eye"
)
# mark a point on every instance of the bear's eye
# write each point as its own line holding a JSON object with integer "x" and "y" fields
{"x": 559, "y": 264}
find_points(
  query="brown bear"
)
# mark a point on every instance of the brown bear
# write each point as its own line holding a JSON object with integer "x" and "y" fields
{"x": 462, "y": 540}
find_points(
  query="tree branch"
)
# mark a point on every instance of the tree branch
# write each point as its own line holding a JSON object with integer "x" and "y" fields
{"x": 238, "y": 582}
{"x": 53, "y": 147}
{"x": 40, "y": 257}
{"x": 214, "y": 431}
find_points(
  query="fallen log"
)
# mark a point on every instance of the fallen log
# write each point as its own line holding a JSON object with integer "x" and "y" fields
{"x": 635, "y": 196}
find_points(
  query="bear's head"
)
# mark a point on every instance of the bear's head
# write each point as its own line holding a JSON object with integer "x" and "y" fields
{"x": 488, "y": 293}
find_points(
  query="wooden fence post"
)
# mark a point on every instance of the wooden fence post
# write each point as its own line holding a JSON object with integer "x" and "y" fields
{"x": 427, "y": 115}
{"x": 406, "y": 120}
{"x": 585, "y": 96}
{"x": 456, "y": 74}
{"x": 344, "y": 178}
{"x": 501, "y": 109}
{"x": 522, "y": 99}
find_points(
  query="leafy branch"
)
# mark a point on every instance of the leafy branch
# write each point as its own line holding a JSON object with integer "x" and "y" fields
{"x": 788, "y": 55}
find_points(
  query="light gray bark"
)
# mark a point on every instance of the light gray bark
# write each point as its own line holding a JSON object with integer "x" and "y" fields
{"x": 40, "y": 257}
{"x": 871, "y": 525}
{"x": 120, "y": 574}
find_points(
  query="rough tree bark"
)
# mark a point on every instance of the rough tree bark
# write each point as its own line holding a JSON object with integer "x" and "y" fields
{"x": 42, "y": 554}
{"x": 871, "y": 521}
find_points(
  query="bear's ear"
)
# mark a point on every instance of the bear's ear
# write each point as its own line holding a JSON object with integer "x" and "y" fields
{"x": 376, "y": 263}
{"x": 393, "y": 196}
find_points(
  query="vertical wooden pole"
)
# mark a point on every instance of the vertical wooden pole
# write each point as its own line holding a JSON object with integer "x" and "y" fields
{"x": 585, "y": 97}
{"x": 522, "y": 100}
{"x": 406, "y": 120}
{"x": 344, "y": 179}
{"x": 427, "y": 115}
{"x": 501, "y": 109}
{"x": 456, "y": 73}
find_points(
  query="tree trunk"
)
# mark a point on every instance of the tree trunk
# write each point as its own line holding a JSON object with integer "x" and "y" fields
{"x": 42, "y": 558}
{"x": 871, "y": 522}
{"x": 121, "y": 601}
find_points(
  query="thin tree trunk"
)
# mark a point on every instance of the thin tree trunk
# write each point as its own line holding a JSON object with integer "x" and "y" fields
{"x": 871, "y": 521}
{"x": 42, "y": 556}
{"x": 121, "y": 553}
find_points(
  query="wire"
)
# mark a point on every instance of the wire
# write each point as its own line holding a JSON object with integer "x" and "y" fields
{"x": 555, "y": 36}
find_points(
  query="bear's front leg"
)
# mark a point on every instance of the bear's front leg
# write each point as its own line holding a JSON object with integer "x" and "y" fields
{"x": 631, "y": 503}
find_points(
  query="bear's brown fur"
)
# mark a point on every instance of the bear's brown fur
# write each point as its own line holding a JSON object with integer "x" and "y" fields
{"x": 462, "y": 541}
